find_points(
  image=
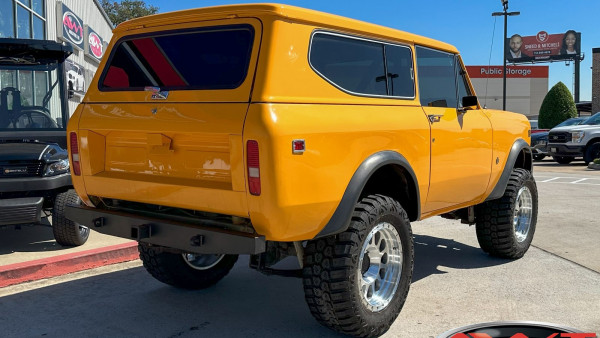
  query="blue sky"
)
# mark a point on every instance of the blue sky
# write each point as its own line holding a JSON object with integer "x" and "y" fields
{"x": 466, "y": 24}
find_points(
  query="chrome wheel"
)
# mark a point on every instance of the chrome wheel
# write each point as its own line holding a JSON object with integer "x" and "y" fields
{"x": 522, "y": 214}
{"x": 380, "y": 266}
{"x": 201, "y": 262}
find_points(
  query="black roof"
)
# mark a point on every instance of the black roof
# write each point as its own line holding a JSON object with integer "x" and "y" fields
{"x": 29, "y": 51}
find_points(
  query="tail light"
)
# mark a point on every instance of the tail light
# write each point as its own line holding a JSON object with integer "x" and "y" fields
{"x": 253, "y": 167}
{"x": 75, "y": 154}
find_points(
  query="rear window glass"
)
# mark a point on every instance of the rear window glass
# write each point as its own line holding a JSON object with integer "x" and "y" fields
{"x": 213, "y": 58}
{"x": 359, "y": 66}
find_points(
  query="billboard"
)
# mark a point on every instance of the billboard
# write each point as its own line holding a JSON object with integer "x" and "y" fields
{"x": 543, "y": 47}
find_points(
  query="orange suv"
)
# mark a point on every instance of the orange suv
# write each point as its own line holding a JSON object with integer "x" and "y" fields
{"x": 277, "y": 131}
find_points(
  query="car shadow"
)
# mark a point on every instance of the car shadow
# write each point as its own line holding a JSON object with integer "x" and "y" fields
{"x": 432, "y": 253}
{"x": 28, "y": 238}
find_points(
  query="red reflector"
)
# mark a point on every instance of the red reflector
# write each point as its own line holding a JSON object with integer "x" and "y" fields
{"x": 253, "y": 167}
{"x": 75, "y": 154}
{"x": 298, "y": 146}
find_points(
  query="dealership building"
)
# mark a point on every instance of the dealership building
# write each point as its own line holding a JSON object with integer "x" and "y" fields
{"x": 526, "y": 87}
{"x": 80, "y": 23}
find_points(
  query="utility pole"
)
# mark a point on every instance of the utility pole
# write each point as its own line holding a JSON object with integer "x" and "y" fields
{"x": 506, "y": 14}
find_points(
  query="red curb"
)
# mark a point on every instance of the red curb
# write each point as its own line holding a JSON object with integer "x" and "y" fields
{"x": 69, "y": 263}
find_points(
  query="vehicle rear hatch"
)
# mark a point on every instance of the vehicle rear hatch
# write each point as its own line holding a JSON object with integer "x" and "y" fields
{"x": 164, "y": 125}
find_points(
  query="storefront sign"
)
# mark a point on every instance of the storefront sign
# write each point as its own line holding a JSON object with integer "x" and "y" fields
{"x": 94, "y": 45}
{"x": 71, "y": 29}
{"x": 519, "y": 72}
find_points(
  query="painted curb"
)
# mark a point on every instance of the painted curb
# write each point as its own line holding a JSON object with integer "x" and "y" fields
{"x": 60, "y": 265}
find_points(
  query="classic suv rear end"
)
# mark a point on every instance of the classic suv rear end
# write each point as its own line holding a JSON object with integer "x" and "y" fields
{"x": 276, "y": 131}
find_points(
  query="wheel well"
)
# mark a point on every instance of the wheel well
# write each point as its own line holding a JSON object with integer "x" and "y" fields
{"x": 394, "y": 181}
{"x": 592, "y": 141}
{"x": 524, "y": 160}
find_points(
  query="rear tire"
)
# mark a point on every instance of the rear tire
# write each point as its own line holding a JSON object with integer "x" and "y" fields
{"x": 185, "y": 271}
{"x": 67, "y": 232}
{"x": 505, "y": 226}
{"x": 562, "y": 159}
{"x": 356, "y": 282}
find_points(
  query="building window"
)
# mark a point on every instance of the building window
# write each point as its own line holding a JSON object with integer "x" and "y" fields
{"x": 23, "y": 19}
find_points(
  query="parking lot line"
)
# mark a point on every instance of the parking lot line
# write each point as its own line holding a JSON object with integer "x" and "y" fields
{"x": 569, "y": 180}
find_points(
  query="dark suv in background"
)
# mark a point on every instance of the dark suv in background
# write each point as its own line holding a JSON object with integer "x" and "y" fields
{"x": 35, "y": 182}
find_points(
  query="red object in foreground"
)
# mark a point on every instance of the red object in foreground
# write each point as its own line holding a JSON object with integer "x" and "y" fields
{"x": 69, "y": 263}
{"x": 534, "y": 131}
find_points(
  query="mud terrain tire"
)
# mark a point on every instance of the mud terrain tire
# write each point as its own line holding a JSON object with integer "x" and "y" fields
{"x": 505, "y": 226}
{"x": 173, "y": 269}
{"x": 351, "y": 282}
{"x": 67, "y": 232}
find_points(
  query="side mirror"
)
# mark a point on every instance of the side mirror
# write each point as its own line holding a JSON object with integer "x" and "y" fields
{"x": 469, "y": 101}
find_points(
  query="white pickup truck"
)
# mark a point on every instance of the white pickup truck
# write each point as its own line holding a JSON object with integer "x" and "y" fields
{"x": 570, "y": 142}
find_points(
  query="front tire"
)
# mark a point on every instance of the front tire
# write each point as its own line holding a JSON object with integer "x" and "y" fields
{"x": 505, "y": 226}
{"x": 356, "y": 282}
{"x": 67, "y": 232}
{"x": 592, "y": 152}
{"x": 187, "y": 270}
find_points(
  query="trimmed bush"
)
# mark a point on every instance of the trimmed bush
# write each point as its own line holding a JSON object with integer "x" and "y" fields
{"x": 558, "y": 105}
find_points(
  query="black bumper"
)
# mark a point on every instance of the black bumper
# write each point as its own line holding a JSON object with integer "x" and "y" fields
{"x": 168, "y": 233}
{"x": 565, "y": 150}
{"x": 16, "y": 211}
{"x": 35, "y": 183}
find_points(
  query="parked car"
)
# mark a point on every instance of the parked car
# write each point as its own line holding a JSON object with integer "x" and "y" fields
{"x": 565, "y": 144}
{"x": 277, "y": 131}
{"x": 539, "y": 141}
{"x": 35, "y": 181}
{"x": 534, "y": 127}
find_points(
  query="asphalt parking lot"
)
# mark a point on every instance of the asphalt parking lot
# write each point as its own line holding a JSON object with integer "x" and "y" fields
{"x": 454, "y": 284}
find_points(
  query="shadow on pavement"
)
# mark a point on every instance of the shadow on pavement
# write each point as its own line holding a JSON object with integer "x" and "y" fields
{"x": 34, "y": 238}
{"x": 131, "y": 303}
{"x": 432, "y": 253}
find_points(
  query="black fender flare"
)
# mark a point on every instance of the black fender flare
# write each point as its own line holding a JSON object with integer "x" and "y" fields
{"x": 340, "y": 220}
{"x": 515, "y": 150}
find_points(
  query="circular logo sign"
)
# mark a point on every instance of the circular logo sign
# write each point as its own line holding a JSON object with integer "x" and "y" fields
{"x": 515, "y": 329}
{"x": 542, "y": 36}
{"x": 72, "y": 28}
{"x": 95, "y": 45}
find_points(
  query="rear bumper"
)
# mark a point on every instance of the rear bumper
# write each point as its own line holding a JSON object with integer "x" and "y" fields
{"x": 555, "y": 149}
{"x": 16, "y": 211}
{"x": 171, "y": 234}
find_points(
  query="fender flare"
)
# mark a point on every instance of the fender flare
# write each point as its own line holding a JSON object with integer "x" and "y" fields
{"x": 515, "y": 150}
{"x": 340, "y": 220}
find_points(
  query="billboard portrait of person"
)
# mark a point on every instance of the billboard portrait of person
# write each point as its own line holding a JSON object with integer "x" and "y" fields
{"x": 570, "y": 44}
{"x": 515, "y": 51}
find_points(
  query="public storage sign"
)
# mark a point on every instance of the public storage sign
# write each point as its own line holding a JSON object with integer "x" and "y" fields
{"x": 511, "y": 71}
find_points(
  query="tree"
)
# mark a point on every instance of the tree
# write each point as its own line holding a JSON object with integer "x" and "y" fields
{"x": 558, "y": 105}
{"x": 126, "y": 10}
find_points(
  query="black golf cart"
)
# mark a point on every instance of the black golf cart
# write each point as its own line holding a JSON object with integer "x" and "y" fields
{"x": 35, "y": 182}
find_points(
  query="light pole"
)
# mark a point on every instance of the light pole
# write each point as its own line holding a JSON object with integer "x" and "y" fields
{"x": 506, "y": 14}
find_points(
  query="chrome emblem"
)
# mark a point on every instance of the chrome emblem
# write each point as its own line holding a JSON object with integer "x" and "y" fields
{"x": 18, "y": 170}
{"x": 157, "y": 94}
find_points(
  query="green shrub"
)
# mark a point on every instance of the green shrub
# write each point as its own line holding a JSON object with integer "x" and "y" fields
{"x": 558, "y": 105}
{"x": 597, "y": 161}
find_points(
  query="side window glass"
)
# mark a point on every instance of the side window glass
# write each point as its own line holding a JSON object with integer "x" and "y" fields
{"x": 437, "y": 78}
{"x": 461, "y": 80}
{"x": 351, "y": 64}
{"x": 400, "y": 71}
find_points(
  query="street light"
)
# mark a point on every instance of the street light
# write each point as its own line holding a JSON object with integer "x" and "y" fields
{"x": 506, "y": 14}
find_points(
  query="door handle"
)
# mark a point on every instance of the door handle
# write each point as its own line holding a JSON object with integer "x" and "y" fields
{"x": 434, "y": 118}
